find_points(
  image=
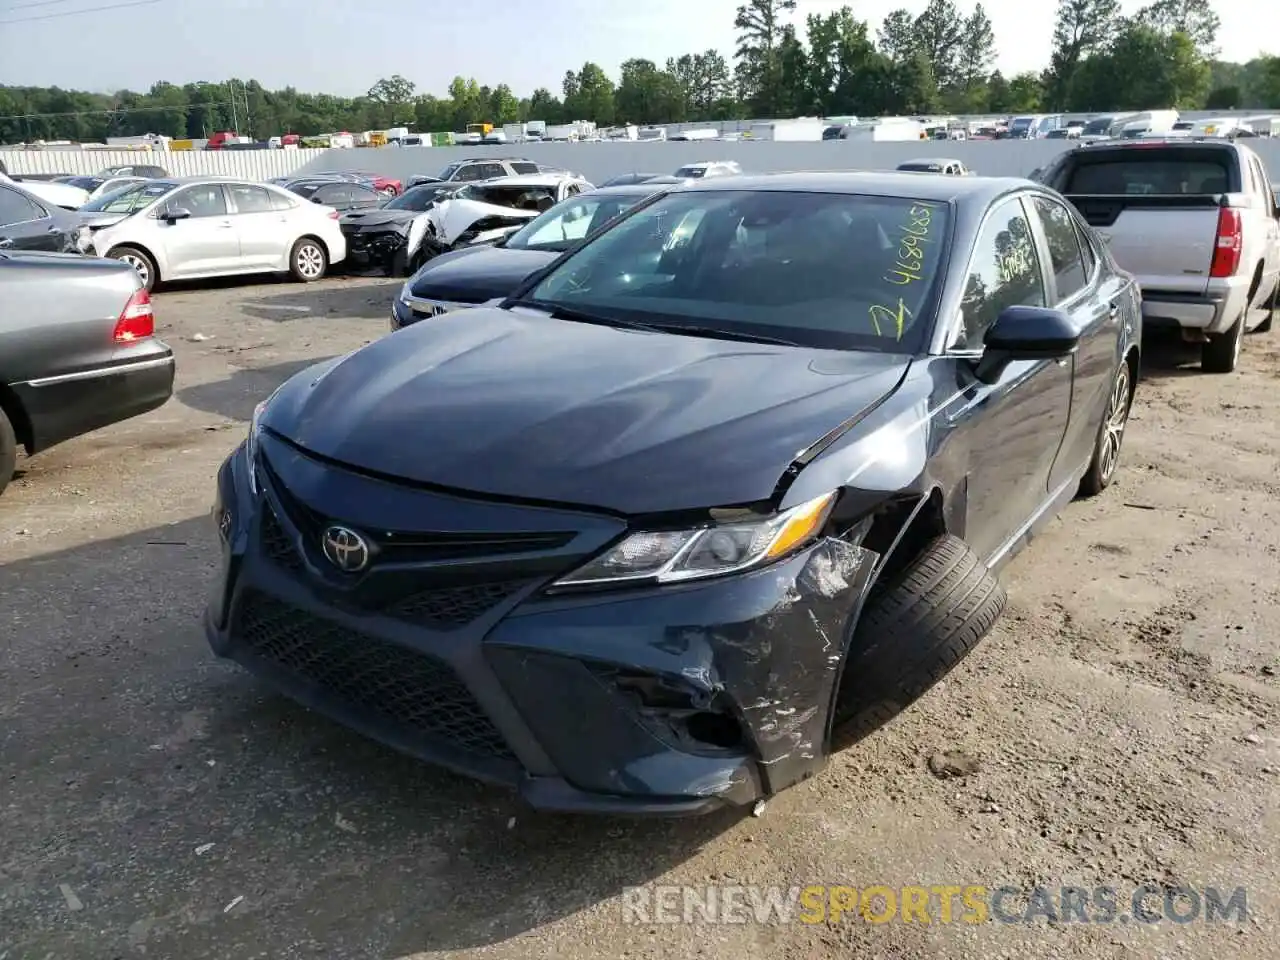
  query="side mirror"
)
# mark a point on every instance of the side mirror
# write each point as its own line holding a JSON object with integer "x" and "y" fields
{"x": 1025, "y": 333}
{"x": 176, "y": 214}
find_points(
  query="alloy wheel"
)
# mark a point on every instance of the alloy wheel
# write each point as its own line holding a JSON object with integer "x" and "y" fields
{"x": 310, "y": 261}
{"x": 140, "y": 266}
{"x": 1117, "y": 419}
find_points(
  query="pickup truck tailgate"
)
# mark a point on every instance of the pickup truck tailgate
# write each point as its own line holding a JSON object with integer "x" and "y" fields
{"x": 1156, "y": 205}
{"x": 1167, "y": 242}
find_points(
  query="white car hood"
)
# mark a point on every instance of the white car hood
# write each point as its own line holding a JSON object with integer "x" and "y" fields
{"x": 451, "y": 218}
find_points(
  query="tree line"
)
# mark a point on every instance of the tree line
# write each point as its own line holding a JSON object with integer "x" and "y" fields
{"x": 939, "y": 61}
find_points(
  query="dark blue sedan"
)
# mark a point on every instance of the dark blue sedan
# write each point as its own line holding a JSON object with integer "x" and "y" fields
{"x": 723, "y": 489}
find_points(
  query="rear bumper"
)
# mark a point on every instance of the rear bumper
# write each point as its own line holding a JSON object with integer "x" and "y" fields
{"x": 1213, "y": 311}
{"x": 71, "y": 404}
{"x": 581, "y": 704}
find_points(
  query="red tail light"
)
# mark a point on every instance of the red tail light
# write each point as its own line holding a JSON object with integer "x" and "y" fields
{"x": 334, "y": 215}
{"x": 137, "y": 321}
{"x": 1226, "y": 251}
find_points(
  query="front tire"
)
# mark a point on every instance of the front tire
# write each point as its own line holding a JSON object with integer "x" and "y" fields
{"x": 142, "y": 264}
{"x": 914, "y": 629}
{"x": 1222, "y": 353}
{"x": 1106, "y": 451}
{"x": 8, "y": 451}
{"x": 308, "y": 262}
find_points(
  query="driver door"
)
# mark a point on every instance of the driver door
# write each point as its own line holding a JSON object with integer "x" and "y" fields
{"x": 203, "y": 244}
{"x": 1009, "y": 431}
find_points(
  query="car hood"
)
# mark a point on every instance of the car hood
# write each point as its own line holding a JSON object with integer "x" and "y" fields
{"x": 514, "y": 403}
{"x": 363, "y": 219}
{"x": 96, "y": 221}
{"x": 477, "y": 274}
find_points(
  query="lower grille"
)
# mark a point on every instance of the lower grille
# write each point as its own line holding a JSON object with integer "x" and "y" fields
{"x": 418, "y": 693}
{"x": 449, "y": 608}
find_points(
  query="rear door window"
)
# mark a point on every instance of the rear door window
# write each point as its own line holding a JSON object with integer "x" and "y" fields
{"x": 1064, "y": 246}
{"x": 15, "y": 208}
{"x": 250, "y": 199}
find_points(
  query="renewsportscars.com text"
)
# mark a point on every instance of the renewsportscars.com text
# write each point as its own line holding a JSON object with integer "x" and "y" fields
{"x": 937, "y": 903}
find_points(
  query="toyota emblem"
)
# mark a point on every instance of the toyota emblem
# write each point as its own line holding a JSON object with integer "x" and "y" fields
{"x": 345, "y": 549}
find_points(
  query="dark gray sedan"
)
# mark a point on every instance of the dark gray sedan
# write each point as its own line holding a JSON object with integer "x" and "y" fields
{"x": 78, "y": 351}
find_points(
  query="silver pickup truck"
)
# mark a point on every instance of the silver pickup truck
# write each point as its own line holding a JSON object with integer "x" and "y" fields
{"x": 1195, "y": 221}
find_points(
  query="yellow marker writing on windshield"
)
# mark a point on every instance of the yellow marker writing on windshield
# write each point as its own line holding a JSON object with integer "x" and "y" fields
{"x": 897, "y": 315}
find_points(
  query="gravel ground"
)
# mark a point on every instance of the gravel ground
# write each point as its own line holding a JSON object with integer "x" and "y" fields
{"x": 1122, "y": 717}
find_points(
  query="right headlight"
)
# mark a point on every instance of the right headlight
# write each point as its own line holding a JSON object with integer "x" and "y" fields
{"x": 251, "y": 445}
{"x": 673, "y": 556}
{"x": 405, "y": 292}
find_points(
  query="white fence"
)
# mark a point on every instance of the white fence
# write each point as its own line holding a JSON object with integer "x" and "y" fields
{"x": 596, "y": 161}
{"x": 250, "y": 164}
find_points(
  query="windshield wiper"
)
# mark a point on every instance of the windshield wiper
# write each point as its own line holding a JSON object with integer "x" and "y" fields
{"x": 579, "y": 316}
{"x": 719, "y": 333}
{"x": 686, "y": 329}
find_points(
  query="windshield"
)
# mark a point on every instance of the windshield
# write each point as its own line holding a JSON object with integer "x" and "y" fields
{"x": 1101, "y": 125}
{"x": 131, "y": 198}
{"x": 825, "y": 270}
{"x": 449, "y": 171}
{"x": 85, "y": 183}
{"x": 572, "y": 220}
{"x": 417, "y": 199}
{"x": 691, "y": 173}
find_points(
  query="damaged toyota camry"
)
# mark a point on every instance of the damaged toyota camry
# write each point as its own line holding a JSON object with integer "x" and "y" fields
{"x": 720, "y": 491}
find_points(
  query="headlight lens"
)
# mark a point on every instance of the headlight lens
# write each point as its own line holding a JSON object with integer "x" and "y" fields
{"x": 405, "y": 292}
{"x": 82, "y": 238}
{"x": 676, "y": 555}
{"x": 251, "y": 445}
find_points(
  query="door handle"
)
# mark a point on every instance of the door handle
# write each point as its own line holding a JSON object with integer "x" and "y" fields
{"x": 6, "y": 242}
{"x": 55, "y": 229}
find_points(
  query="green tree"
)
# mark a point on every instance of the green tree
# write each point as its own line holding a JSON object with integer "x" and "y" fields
{"x": 393, "y": 97}
{"x": 589, "y": 96}
{"x": 646, "y": 94}
{"x": 1195, "y": 18}
{"x": 939, "y": 34}
{"x": 1026, "y": 93}
{"x": 760, "y": 34}
{"x": 503, "y": 105}
{"x": 897, "y": 36}
{"x": 545, "y": 107}
{"x": 1082, "y": 27}
{"x": 1265, "y": 89}
{"x": 1223, "y": 98}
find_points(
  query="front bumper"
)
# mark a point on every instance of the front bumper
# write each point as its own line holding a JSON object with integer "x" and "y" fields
{"x": 374, "y": 248}
{"x": 662, "y": 701}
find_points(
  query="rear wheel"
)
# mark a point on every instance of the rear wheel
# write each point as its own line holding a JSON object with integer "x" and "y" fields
{"x": 388, "y": 192}
{"x": 1106, "y": 451}
{"x": 308, "y": 261}
{"x": 8, "y": 451}
{"x": 1222, "y": 352}
{"x": 142, "y": 264}
{"x": 914, "y": 629}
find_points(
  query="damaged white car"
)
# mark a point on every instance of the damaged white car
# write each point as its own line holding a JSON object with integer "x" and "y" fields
{"x": 400, "y": 238}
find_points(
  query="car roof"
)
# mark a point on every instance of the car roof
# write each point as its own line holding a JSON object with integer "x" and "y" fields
{"x": 931, "y": 160}
{"x": 938, "y": 187}
{"x": 626, "y": 189}
{"x": 528, "y": 180}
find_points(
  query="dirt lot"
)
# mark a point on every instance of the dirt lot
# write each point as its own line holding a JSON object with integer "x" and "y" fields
{"x": 155, "y": 803}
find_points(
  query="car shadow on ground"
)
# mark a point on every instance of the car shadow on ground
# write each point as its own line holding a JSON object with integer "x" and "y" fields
{"x": 235, "y": 396}
{"x": 358, "y": 298}
{"x": 1165, "y": 356}
{"x": 193, "y": 812}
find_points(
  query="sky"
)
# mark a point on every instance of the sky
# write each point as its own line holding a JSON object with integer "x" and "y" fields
{"x": 342, "y": 46}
